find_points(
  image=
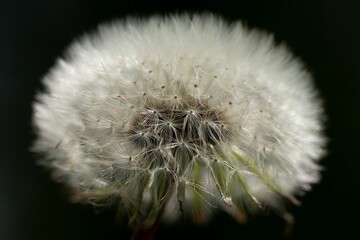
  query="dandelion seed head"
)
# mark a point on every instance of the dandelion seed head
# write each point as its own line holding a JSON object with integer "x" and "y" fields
{"x": 183, "y": 113}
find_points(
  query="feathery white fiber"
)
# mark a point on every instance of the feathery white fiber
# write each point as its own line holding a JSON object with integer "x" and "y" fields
{"x": 180, "y": 114}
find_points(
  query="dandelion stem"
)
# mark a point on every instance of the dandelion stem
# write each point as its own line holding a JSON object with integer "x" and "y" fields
{"x": 145, "y": 232}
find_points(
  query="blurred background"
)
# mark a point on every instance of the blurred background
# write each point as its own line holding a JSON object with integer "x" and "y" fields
{"x": 324, "y": 34}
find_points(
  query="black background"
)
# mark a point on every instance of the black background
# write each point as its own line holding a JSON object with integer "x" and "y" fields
{"x": 324, "y": 34}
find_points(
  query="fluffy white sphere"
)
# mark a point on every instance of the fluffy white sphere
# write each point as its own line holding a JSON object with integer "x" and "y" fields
{"x": 183, "y": 112}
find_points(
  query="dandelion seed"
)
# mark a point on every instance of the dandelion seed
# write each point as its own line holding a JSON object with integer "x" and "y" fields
{"x": 183, "y": 116}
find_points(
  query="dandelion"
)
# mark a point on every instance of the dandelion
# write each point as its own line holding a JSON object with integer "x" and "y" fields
{"x": 178, "y": 117}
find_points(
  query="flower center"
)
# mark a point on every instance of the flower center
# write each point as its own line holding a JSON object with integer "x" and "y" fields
{"x": 164, "y": 131}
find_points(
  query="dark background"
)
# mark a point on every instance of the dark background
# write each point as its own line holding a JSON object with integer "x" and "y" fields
{"x": 324, "y": 34}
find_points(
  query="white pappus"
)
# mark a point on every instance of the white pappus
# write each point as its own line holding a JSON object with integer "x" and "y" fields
{"x": 180, "y": 115}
